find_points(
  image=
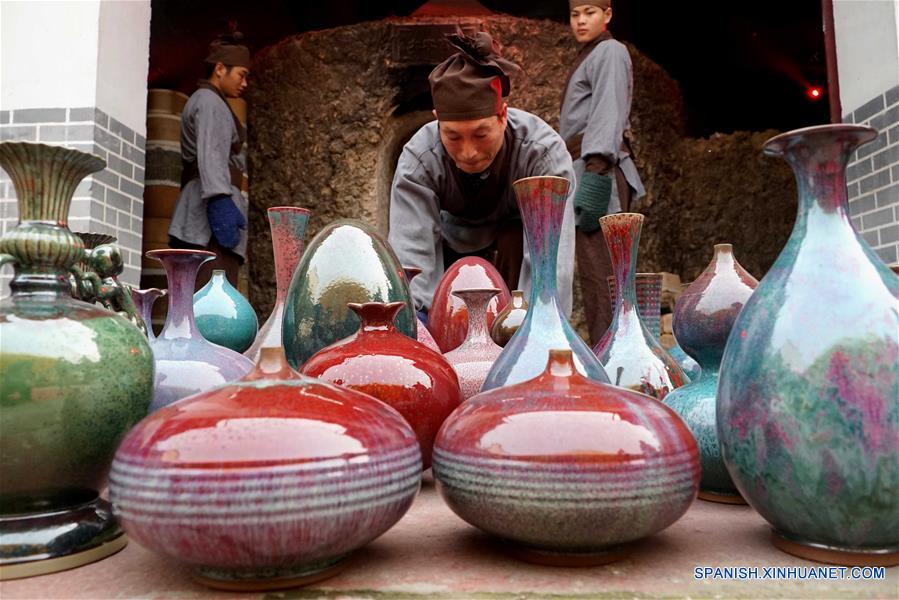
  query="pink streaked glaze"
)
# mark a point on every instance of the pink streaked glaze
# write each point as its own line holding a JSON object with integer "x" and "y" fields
{"x": 474, "y": 357}
{"x": 448, "y": 317}
{"x": 423, "y": 335}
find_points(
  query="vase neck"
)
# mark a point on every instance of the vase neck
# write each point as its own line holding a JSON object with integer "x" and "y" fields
{"x": 181, "y": 267}
{"x": 622, "y": 234}
{"x": 476, "y": 301}
{"x": 288, "y": 227}
{"x": 376, "y": 316}
{"x": 541, "y": 202}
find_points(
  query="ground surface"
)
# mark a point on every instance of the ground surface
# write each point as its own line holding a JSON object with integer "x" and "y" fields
{"x": 432, "y": 554}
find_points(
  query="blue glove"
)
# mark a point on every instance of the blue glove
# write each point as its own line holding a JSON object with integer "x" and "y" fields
{"x": 591, "y": 201}
{"x": 225, "y": 220}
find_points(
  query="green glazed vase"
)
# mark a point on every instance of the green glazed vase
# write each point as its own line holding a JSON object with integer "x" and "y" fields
{"x": 74, "y": 378}
{"x": 223, "y": 315}
{"x": 808, "y": 394}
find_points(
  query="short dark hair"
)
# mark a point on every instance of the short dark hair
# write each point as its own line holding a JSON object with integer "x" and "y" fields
{"x": 210, "y": 69}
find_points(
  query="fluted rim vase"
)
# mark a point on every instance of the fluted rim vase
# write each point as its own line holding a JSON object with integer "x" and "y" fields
{"x": 808, "y": 392}
{"x": 541, "y": 201}
{"x": 288, "y": 226}
{"x": 632, "y": 356}
{"x": 144, "y": 301}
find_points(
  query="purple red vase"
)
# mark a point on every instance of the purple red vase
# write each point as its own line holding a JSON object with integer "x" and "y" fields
{"x": 143, "y": 302}
{"x": 288, "y": 226}
{"x": 390, "y": 366}
{"x": 649, "y": 299}
{"x": 187, "y": 363}
{"x": 566, "y": 468}
{"x": 448, "y": 317}
{"x": 632, "y": 356}
{"x": 267, "y": 482}
{"x": 474, "y": 357}
{"x": 423, "y": 335}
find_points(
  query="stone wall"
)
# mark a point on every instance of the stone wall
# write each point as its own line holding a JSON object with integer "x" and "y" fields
{"x": 325, "y": 105}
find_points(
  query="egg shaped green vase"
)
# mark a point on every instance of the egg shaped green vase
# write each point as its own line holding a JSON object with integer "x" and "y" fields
{"x": 223, "y": 315}
{"x": 346, "y": 262}
{"x": 74, "y": 378}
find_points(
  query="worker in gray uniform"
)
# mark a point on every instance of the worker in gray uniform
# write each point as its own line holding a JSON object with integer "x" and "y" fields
{"x": 594, "y": 122}
{"x": 211, "y": 213}
{"x": 452, "y": 191}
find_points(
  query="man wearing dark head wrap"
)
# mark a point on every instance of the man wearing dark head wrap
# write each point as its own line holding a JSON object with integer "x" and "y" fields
{"x": 596, "y": 106}
{"x": 211, "y": 212}
{"x": 452, "y": 192}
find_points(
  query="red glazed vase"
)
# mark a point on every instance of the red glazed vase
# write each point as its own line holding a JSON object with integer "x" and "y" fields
{"x": 564, "y": 467}
{"x": 267, "y": 482}
{"x": 509, "y": 319}
{"x": 474, "y": 357}
{"x": 423, "y": 335}
{"x": 448, "y": 317}
{"x": 390, "y": 366}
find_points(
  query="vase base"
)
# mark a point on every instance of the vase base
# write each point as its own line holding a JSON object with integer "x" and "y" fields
{"x": 271, "y": 579}
{"x": 57, "y": 541}
{"x": 552, "y": 558}
{"x": 721, "y": 498}
{"x": 850, "y": 557}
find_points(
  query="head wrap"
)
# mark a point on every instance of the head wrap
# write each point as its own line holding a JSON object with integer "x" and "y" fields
{"x": 472, "y": 83}
{"x": 225, "y": 49}
{"x": 603, "y": 4}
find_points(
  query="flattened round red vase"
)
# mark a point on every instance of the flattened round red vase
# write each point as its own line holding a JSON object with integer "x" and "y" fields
{"x": 448, "y": 317}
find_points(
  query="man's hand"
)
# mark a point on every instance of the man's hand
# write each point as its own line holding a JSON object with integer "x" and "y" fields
{"x": 591, "y": 201}
{"x": 225, "y": 220}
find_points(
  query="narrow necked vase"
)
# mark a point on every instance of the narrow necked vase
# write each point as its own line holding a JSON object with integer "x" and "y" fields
{"x": 422, "y": 334}
{"x": 474, "y": 357}
{"x": 144, "y": 301}
{"x": 509, "y": 319}
{"x": 223, "y": 315}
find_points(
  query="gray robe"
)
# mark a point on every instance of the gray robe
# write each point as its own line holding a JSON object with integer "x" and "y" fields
{"x": 418, "y": 227}
{"x": 207, "y": 133}
{"x": 597, "y": 104}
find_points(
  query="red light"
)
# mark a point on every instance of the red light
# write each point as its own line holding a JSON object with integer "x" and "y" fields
{"x": 814, "y": 93}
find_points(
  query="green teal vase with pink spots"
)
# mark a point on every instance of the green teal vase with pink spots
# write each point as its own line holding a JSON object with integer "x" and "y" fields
{"x": 808, "y": 397}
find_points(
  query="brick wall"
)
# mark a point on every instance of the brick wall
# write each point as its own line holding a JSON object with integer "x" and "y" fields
{"x": 873, "y": 176}
{"x": 110, "y": 201}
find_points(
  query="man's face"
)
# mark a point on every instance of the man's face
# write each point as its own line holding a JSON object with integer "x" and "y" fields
{"x": 588, "y": 22}
{"x": 232, "y": 82}
{"x": 474, "y": 144}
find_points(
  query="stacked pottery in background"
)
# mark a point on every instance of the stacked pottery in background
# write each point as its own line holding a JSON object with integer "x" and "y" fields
{"x": 380, "y": 361}
{"x": 347, "y": 262}
{"x": 422, "y": 334}
{"x": 704, "y": 317}
{"x": 288, "y": 227}
{"x": 566, "y": 468}
{"x": 808, "y": 393}
{"x": 74, "y": 377}
{"x": 223, "y": 315}
{"x": 448, "y": 316}
{"x": 268, "y": 482}
{"x": 474, "y": 357}
{"x": 186, "y": 363}
{"x": 631, "y": 355}
{"x": 509, "y": 319}
{"x": 541, "y": 202}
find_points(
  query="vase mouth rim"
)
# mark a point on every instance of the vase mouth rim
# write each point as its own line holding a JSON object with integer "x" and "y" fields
{"x": 492, "y": 291}
{"x": 541, "y": 178}
{"x": 778, "y": 144}
{"x": 167, "y": 252}
{"x": 296, "y": 209}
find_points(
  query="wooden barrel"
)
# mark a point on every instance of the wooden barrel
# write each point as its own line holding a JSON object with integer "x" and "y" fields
{"x": 165, "y": 101}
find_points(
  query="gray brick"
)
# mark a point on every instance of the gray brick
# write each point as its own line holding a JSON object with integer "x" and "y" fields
{"x": 893, "y": 135}
{"x": 137, "y": 224}
{"x": 118, "y": 200}
{"x": 857, "y": 223}
{"x": 858, "y": 170}
{"x": 139, "y": 175}
{"x": 895, "y": 173}
{"x": 852, "y": 190}
{"x": 100, "y": 118}
{"x": 862, "y": 205}
{"x": 137, "y": 208}
{"x": 4, "y": 117}
{"x": 872, "y": 237}
{"x": 879, "y": 143}
{"x": 889, "y": 254}
{"x": 108, "y": 141}
{"x": 868, "y": 109}
{"x": 122, "y": 167}
{"x": 121, "y": 130}
{"x": 886, "y": 120}
{"x": 133, "y": 154}
{"x": 79, "y": 133}
{"x": 886, "y": 158}
{"x": 889, "y": 235}
{"x": 24, "y": 133}
{"x": 878, "y": 180}
{"x": 140, "y": 141}
{"x": 80, "y": 208}
{"x": 108, "y": 177}
{"x": 884, "y": 216}
{"x": 97, "y": 211}
{"x": 84, "y": 189}
{"x": 132, "y": 189}
{"x": 99, "y": 151}
{"x": 888, "y": 196}
{"x": 52, "y": 133}
{"x": 85, "y": 113}
{"x": 39, "y": 115}
{"x": 130, "y": 240}
{"x": 124, "y": 221}
{"x": 892, "y": 96}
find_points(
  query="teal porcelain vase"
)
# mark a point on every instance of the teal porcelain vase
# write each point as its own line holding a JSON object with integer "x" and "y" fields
{"x": 74, "y": 378}
{"x": 808, "y": 396}
{"x": 631, "y": 355}
{"x": 704, "y": 316}
{"x": 541, "y": 202}
{"x": 346, "y": 262}
{"x": 223, "y": 315}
